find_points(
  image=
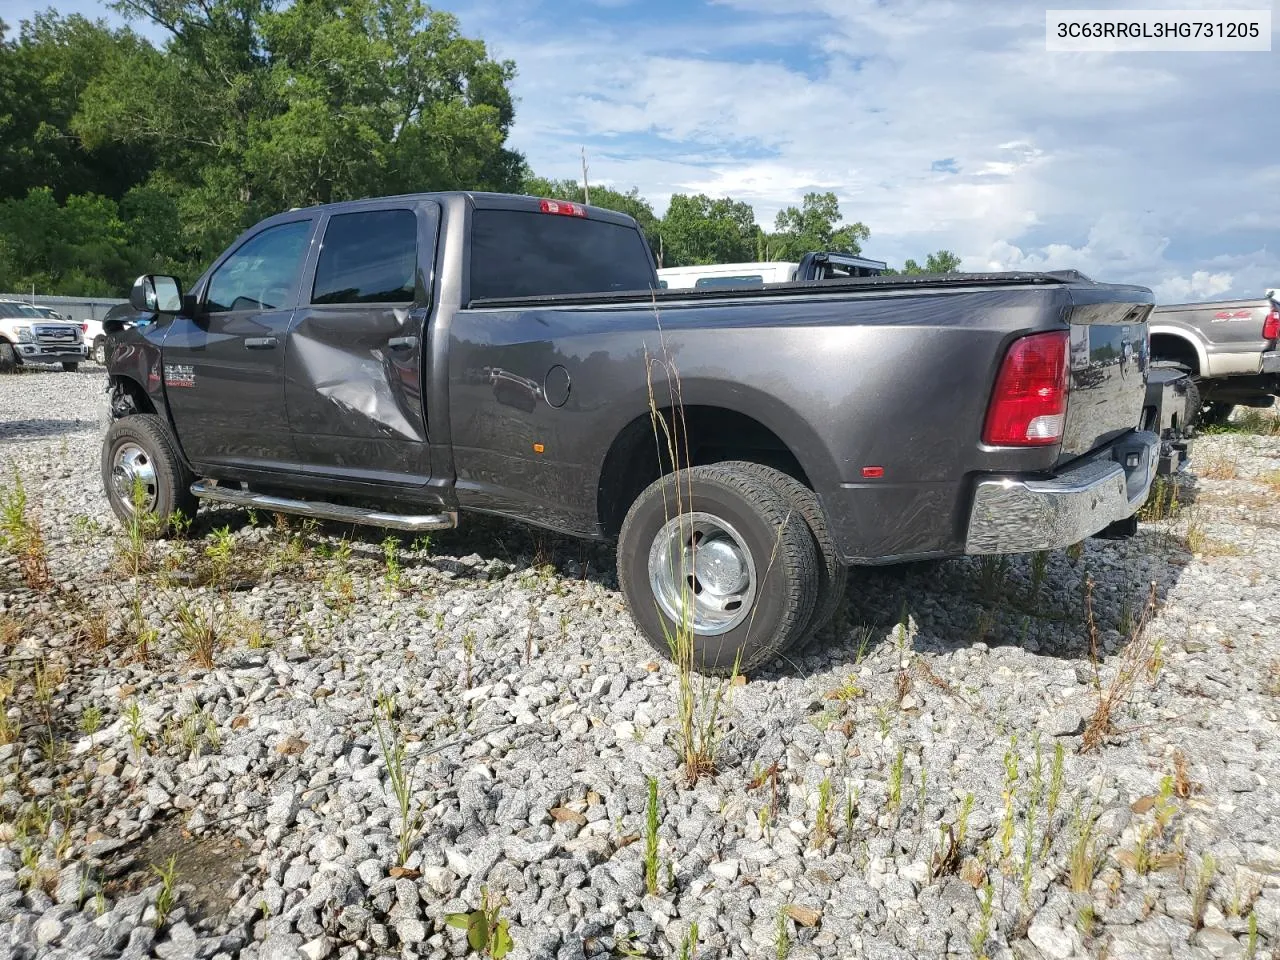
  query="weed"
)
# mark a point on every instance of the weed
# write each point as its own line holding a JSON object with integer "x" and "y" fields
{"x": 1155, "y": 661}
{"x": 1200, "y": 893}
{"x": 846, "y": 692}
{"x": 894, "y": 801}
{"x": 488, "y": 933}
{"x": 1056, "y": 779}
{"x": 468, "y": 654}
{"x": 651, "y": 839}
{"x": 1010, "y": 797}
{"x": 689, "y": 946}
{"x": 993, "y": 571}
{"x": 1086, "y": 920}
{"x": 137, "y": 733}
{"x": 982, "y": 932}
{"x": 1082, "y": 861}
{"x": 823, "y": 826}
{"x": 94, "y": 630}
{"x": 782, "y": 936}
{"x": 850, "y": 812}
{"x": 391, "y": 560}
{"x": 1130, "y": 666}
{"x": 862, "y": 635}
{"x": 20, "y": 535}
{"x": 1251, "y": 946}
{"x": 1218, "y": 468}
{"x": 165, "y": 899}
{"x": 91, "y": 720}
{"x": 10, "y": 729}
{"x": 1039, "y": 567}
{"x": 220, "y": 552}
{"x": 393, "y": 754}
{"x": 198, "y": 634}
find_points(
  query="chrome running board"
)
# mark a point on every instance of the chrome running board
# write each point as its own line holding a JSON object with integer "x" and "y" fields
{"x": 414, "y": 523}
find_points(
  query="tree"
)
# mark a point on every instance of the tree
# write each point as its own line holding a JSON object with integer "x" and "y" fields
{"x": 698, "y": 230}
{"x": 944, "y": 261}
{"x": 251, "y": 110}
{"x": 812, "y": 226}
{"x": 250, "y": 107}
{"x": 43, "y": 76}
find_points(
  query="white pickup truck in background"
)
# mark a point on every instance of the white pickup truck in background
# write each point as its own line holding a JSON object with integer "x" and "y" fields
{"x": 814, "y": 266}
{"x": 29, "y": 335}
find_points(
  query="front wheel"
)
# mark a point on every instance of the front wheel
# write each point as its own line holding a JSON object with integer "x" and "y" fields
{"x": 100, "y": 351}
{"x": 8, "y": 359}
{"x": 70, "y": 366}
{"x": 717, "y": 567}
{"x": 143, "y": 475}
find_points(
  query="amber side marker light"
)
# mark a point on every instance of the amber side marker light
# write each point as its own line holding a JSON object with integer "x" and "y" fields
{"x": 538, "y": 448}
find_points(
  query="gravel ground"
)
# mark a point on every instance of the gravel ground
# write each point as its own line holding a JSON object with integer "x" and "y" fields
{"x": 927, "y": 781}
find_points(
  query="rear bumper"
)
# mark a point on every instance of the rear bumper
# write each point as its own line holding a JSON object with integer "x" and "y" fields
{"x": 1015, "y": 515}
{"x": 1271, "y": 361}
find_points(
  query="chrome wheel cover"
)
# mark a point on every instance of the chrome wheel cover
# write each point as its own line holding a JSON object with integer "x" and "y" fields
{"x": 131, "y": 464}
{"x": 702, "y": 574}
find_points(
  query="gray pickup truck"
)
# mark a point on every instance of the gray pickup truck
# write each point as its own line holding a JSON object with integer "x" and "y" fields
{"x": 1229, "y": 347}
{"x": 400, "y": 361}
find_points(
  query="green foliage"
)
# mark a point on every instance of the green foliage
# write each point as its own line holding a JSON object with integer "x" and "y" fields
{"x": 118, "y": 157}
{"x": 813, "y": 226}
{"x": 698, "y": 230}
{"x": 488, "y": 934}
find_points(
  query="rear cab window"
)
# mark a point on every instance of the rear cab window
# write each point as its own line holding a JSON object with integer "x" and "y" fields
{"x": 516, "y": 253}
{"x": 368, "y": 257}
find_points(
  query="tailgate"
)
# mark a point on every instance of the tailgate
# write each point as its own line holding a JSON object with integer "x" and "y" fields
{"x": 1109, "y": 356}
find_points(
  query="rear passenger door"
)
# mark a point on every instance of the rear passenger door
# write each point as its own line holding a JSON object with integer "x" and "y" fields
{"x": 354, "y": 384}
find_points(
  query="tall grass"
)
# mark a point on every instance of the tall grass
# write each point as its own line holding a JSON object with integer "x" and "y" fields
{"x": 20, "y": 535}
{"x": 699, "y": 700}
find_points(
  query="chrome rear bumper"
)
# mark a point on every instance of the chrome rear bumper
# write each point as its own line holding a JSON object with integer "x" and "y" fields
{"x": 1015, "y": 515}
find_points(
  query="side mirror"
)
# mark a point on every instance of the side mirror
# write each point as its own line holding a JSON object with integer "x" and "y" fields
{"x": 156, "y": 294}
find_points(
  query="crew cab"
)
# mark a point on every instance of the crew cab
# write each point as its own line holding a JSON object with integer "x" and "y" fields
{"x": 405, "y": 361}
{"x": 1229, "y": 347}
{"x": 29, "y": 335}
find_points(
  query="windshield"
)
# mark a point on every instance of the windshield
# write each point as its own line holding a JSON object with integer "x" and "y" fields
{"x": 8, "y": 310}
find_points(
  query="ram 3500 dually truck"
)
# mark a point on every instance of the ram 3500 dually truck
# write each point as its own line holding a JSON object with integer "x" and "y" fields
{"x": 400, "y": 361}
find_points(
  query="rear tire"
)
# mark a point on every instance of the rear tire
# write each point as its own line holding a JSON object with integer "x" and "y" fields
{"x": 70, "y": 366}
{"x": 833, "y": 575}
{"x": 140, "y": 448}
{"x": 735, "y": 573}
{"x": 1216, "y": 414}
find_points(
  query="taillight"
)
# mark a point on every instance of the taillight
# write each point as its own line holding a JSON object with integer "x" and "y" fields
{"x": 1029, "y": 405}
{"x": 84, "y": 328}
{"x": 562, "y": 207}
{"x": 1271, "y": 325}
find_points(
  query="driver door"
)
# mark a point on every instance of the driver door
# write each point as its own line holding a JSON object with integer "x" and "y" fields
{"x": 224, "y": 368}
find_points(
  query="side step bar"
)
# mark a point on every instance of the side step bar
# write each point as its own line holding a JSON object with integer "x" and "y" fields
{"x": 414, "y": 523}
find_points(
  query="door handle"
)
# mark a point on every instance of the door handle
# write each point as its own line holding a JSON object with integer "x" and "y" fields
{"x": 402, "y": 343}
{"x": 260, "y": 343}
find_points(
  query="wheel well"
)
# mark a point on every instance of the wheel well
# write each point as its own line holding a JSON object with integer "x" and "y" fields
{"x": 1167, "y": 346}
{"x": 699, "y": 434}
{"x": 128, "y": 397}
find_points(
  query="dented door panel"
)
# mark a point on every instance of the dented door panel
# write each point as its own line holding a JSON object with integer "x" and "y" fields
{"x": 353, "y": 371}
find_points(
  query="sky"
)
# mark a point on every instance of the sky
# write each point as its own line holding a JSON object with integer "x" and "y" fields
{"x": 938, "y": 124}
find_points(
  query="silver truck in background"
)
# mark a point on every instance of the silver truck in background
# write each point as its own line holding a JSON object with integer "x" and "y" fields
{"x": 1229, "y": 347}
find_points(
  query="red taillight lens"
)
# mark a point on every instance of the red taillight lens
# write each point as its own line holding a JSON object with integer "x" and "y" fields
{"x": 1029, "y": 405}
{"x": 1271, "y": 325}
{"x": 562, "y": 207}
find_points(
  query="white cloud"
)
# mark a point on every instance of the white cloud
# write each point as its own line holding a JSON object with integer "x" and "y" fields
{"x": 1152, "y": 168}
